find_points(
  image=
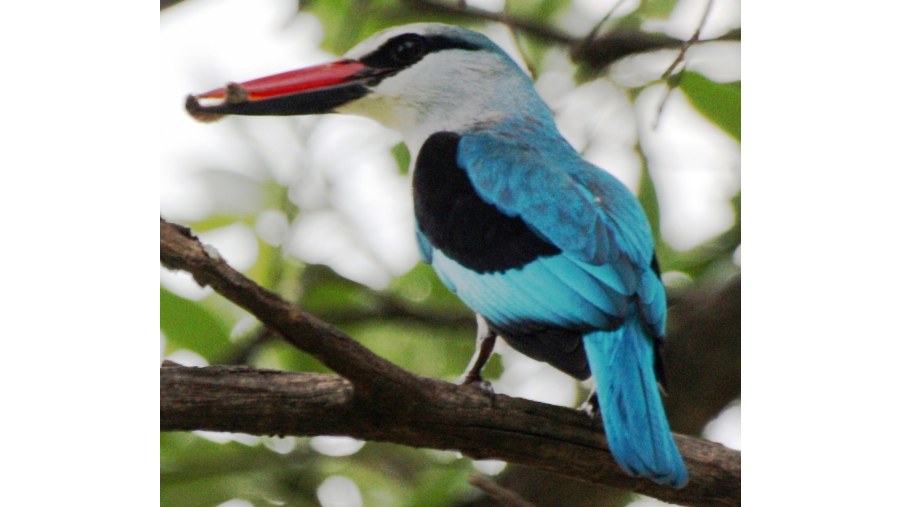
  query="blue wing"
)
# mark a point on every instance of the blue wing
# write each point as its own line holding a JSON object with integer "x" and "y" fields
{"x": 596, "y": 222}
{"x": 558, "y": 256}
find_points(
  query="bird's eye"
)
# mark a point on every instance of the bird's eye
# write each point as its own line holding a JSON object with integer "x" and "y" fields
{"x": 407, "y": 49}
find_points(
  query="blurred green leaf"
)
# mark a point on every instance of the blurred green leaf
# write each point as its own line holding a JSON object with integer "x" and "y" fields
{"x": 331, "y": 14}
{"x": 437, "y": 485}
{"x": 401, "y": 155}
{"x": 656, "y": 8}
{"x": 697, "y": 261}
{"x": 648, "y": 199}
{"x": 187, "y": 324}
{"x": 212, "y": 222}
{"x": 541, "y": 11}
{"x": 347, "y": 22}
{"x": 421, "y": 286}
{"x": 418, "y": 347}
{"x": 325, "y": 291}
{"x": 630, "y": 22}
{"x": 279, "y": 355}
{"x": 197, "y": 472}
{"x": 736, "y": 205}
{"x": 547, "y": 9}
{"x": 719, "y": 102}
{"x": 266, "y": 270}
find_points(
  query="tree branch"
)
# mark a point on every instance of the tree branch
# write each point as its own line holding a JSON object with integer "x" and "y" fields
{"x": 558, "y": 439}
{"x": 179, "y": 249}
{"x": 703, "y": 356}
{"x": 379, "y": 401}
{"x": 498, "y": 493}
{"x": 597, "y": 53}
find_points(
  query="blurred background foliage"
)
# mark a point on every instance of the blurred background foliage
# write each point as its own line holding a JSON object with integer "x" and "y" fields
{"x": 318, "y": 210}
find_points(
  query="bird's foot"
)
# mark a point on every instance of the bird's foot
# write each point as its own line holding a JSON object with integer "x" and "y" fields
{"x": 591, "y": 406}
{"x": 484, "y": 347}
{"x": 483, "y": 386}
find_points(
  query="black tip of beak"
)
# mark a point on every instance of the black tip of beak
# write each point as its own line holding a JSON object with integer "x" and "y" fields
{"x": 235, "y": 94}
{"x": 308, "y": 102}
{"x": 197, "y": 112}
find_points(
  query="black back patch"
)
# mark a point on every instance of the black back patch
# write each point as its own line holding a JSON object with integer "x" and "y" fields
{"x": 459, "y": 223}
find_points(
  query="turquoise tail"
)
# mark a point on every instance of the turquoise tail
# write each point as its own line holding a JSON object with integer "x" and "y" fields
{"x": 630, "y": 404}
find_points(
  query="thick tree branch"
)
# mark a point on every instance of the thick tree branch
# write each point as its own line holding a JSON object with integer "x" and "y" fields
{"x": 380, "y": 401}
{"x": 703, "y": 356}
{"x": 558, "y": 439}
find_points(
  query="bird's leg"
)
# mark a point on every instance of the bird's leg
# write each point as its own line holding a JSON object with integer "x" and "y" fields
{"x": 484, "y": 346}
{"x": 591, "y": 405}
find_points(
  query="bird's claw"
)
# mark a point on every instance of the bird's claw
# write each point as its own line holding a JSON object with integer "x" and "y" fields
{"x": 486, "y": 387}
{"x": 483, "y": 386}
{"x": 591, "y": 406}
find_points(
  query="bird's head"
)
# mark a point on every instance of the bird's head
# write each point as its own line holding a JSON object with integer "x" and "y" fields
{"x": 417, "y": 79}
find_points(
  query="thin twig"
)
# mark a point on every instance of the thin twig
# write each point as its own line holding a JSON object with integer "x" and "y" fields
{"x": 690, "y": 42}
{"x": 503, "y": 496}
{"x": 592, "y": 35}
{"x": 517, "y": 40}
{"x": 672, "y": 83}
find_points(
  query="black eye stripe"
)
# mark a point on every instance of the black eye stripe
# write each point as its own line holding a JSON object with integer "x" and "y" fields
{"x": 407, "y": 49}
{"x": 404, "y": 50}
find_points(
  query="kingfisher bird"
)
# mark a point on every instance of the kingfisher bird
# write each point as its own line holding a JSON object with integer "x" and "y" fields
{"x": 553, "y": 254}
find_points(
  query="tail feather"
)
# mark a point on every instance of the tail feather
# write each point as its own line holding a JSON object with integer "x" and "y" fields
{"x": 622, "y": 362}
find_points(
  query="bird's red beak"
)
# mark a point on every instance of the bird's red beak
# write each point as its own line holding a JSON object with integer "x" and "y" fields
{"x": 313, "y": 90}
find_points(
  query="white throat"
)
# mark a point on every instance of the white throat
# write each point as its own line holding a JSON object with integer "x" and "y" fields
{"x": 453, "y": 90}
